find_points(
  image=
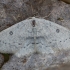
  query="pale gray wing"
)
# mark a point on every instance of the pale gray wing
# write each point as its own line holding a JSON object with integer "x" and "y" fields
{"x": 27, "y": 50}
{"x": 13, "y": 38}
{"x": 54, "y": 37}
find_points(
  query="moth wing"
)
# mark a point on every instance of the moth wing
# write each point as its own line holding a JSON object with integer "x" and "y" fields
{"x": 13, "y": 38}
{"x": 56, "y": 37}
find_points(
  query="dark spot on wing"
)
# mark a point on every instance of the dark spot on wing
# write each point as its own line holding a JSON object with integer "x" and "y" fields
{"x": 25, "y": 60}
{"x": 19, "y": 43}
{"x": 50, "y": 42}
{"x": 60, "y": 41}
{"x": 66, "y": 39}
{"x": 11, "y": 33}
{"x": 24, "y": 47}
{"x": 36, "y": 52}
{"x": 5, "y": 43}
{"x": 57, "y": 30}
{"x": 33, "y": 23}
{"x": 35, "y": 43}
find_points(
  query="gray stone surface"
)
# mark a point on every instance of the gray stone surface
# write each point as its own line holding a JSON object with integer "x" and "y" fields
{"x": 34, "y": 62}
{"x": 38, "y": 62}
{"x": 13, "y": 11}
{"x": 60, "y": 14}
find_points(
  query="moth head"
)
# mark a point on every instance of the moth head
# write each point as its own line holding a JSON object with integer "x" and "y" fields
{"x": 33, "y": 23}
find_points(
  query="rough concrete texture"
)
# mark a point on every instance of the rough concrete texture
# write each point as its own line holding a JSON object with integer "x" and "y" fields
{"x": 13, "y": 11}
{"x": 36, "y": 62}
{"x": 60, "y": 14}
{"x": 66, "y": 1}
{"x": 15, "y": 63}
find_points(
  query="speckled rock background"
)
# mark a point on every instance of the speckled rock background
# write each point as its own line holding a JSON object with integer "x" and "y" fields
{"x": 13, "y": 11}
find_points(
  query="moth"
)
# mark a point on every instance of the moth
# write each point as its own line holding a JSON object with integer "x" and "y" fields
{"x": 34, "y": 35}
